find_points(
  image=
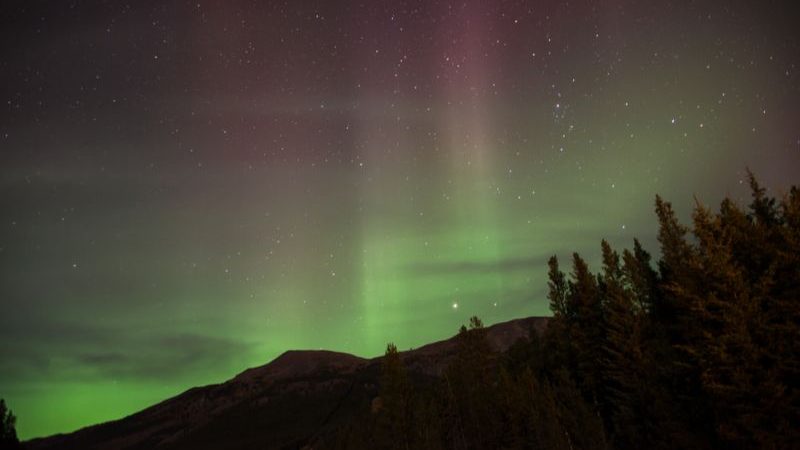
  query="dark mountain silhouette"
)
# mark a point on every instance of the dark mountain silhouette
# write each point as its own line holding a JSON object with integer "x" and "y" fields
{"x": 298, "y": 399}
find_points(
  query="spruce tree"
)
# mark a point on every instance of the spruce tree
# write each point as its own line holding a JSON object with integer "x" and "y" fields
{"x": 622, "y": 354}
{"x": 8, "y": 432}
{"x": 586, "y": 325}
{"x": 394, "y": 421}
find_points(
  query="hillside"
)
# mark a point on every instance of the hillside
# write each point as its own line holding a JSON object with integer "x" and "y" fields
{"x": 299, "y": 397}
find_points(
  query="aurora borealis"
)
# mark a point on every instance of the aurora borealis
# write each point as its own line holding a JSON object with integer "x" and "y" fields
{"x": 191, "y": 188}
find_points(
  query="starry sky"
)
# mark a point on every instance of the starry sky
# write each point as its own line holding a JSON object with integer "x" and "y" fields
{"x": 191, "y": 188}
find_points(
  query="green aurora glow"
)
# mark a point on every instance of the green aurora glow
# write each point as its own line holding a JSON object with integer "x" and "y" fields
{"x": 214, "y": 185}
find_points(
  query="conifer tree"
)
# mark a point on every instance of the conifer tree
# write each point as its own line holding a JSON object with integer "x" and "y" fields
{"x": 586, "y": 328}
{"x": 557, "y": 285}
{"x": 471, "y": 384}
{"x": 8, "y": 432}
{"x": 557, "y": 338}
{"x": 641, "y": 279}
{"x": 622, "y": 353}
{"x": 681, "y": 288}
{"x": 394, "y": 425}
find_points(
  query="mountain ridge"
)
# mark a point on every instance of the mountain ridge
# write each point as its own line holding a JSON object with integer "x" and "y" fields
{"x": 284, "y": 403}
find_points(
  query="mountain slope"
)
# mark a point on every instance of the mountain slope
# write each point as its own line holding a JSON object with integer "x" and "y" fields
{"x": 297, "y": 397}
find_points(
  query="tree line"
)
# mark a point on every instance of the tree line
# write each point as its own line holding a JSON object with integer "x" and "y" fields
{"x": 699, "y": 350}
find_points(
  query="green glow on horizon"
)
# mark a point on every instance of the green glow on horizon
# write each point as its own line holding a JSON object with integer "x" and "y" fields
{"x": 170, "y": 223}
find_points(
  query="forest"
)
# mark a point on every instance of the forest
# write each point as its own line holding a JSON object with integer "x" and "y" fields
{"x": 697, "y": 350}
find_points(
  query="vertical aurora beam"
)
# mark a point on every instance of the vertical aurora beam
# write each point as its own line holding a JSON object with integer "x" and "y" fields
{"x": 466, "y": 121}
{"x": 441, "y": 212}
{"x": 383, "y": 174}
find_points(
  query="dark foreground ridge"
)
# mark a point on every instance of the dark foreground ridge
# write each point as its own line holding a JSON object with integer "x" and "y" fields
{"x": 299, "y": 398}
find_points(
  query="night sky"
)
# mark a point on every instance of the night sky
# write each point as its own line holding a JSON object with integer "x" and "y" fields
{"x": 191, "y": 188}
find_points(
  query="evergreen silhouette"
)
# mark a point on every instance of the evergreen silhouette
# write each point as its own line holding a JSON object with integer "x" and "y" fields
{"x": 699, "y": 351}
{"x": 8, "y": 432}
{"x": 394, "y": 403}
